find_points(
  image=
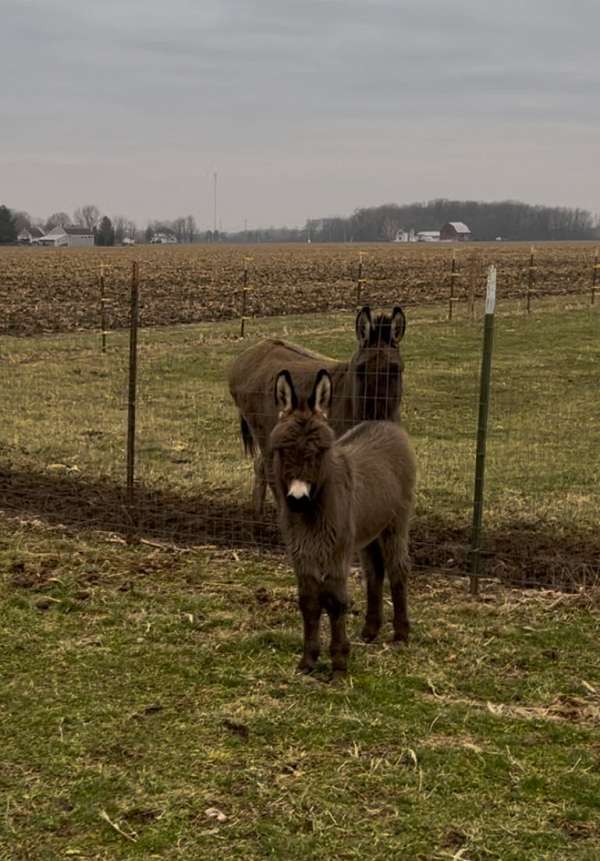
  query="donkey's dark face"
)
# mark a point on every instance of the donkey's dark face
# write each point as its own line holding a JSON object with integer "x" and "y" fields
{"x": 377, "y": 365}
{"x": 301, "y": 439}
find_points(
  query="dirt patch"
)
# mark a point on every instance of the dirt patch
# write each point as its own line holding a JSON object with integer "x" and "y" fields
{"x": 49, "y": 290}
{"x": 514, "y": 553}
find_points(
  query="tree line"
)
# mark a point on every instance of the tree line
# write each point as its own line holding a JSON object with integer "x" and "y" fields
{"x": 107, "y": 230}
{"x": 507, "y": 219}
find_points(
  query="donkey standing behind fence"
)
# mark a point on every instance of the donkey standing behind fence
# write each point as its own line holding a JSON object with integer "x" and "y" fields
{"x": 335, "y": 497}
{"x": 367, "y": 387}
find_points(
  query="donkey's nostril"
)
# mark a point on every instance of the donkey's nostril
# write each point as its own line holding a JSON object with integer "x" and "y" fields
{"x": 299, "y": 489}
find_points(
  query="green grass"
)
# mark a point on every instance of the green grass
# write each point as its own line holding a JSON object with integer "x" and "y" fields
{"x": 66, "y": 406}
{"x": 64, "y": 414}
{"x": 149, "y": 709}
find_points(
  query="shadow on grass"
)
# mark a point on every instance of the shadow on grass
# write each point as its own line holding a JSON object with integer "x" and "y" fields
{"x": 536, "y": 554}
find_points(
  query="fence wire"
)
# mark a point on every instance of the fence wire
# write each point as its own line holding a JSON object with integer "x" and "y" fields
{"x": 63, "y": 433}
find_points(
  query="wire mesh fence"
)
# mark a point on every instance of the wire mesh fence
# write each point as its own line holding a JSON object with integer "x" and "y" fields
{"x": 63, "y": 431}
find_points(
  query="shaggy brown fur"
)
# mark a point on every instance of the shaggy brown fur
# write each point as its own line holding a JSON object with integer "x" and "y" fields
{"x": 336, "y": 497}
{"x": 367, "y": 387}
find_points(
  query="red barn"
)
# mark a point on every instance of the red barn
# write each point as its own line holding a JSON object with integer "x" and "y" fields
{"x": 456, "y": 231}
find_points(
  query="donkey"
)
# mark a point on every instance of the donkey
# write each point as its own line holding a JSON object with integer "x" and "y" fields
{"x": 367, "y": 387}
{"x": 336, "y": 497}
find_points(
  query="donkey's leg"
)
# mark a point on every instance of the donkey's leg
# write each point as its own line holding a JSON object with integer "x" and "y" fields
{"x": 372, "y": 563}
{"x": 394, "y": 545}
{"x": 334, "y": 600}
{"x": 260, "y": 484}
{"x": 310, "y": 607}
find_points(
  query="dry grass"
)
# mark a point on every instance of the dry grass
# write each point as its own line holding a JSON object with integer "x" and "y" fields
{"x": 150, "y": 710}
{"x": 62, "y": 442}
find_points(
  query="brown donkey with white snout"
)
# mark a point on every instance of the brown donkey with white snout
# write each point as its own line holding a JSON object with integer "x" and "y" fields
{"x": 336, "y": 497}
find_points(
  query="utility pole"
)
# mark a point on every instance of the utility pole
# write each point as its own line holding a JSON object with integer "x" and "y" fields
{"x": 215, "y": 204}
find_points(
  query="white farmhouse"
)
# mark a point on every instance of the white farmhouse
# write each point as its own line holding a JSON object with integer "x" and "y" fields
{"x": 163, "y": 239}
{"x": 73, "y": 236}
{"x": 29, "y": 235}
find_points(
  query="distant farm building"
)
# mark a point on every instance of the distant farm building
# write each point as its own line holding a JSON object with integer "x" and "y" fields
{"x": 163, "y": 239}
{"x": 78, "y": 237}
{"x": 29, "y": 235}
{"x": 405, "y": 236}
{"x": 455, "y": 231}
{"x": 428, "y": 236}
{"x": 66, "y": 237}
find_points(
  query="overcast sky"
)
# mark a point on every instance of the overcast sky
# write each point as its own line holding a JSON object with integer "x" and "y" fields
{"x": 304, "y": 108}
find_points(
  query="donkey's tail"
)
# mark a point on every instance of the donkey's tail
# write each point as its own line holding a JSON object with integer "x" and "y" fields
{"x": 247, "y": 438}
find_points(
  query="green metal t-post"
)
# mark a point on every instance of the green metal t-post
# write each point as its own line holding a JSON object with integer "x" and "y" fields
{"x": 482, "y": 423}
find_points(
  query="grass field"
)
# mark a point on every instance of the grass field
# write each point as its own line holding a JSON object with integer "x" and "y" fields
{"x": 62, "y": 433}
{"x": 149, "y": 709}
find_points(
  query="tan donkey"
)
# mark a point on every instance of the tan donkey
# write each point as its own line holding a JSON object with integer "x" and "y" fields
{"x": 366, "y": 387}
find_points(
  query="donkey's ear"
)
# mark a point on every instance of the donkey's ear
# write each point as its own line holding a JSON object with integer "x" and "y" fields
{"x": 285, "y": 396}
{"x": 398, "y": 325}
{"x": 364, "y": 324}
{"x": 320, "y": 398}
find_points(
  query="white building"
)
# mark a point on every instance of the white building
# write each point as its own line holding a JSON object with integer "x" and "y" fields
{"x": 73, "y": 236}
{"x": 428, "y": 236}
{"x": 27, "y": 236}
{"x": 163, "y": 239}
{"x": 405, "y": 236}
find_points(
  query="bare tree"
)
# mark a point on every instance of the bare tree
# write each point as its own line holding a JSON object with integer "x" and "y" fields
{"x": 58, "y": 219}
{"x": 88, "y": 216}
{"x": 190, "y": 228}
{"x": 120, "y": 227}
{"x": 179, "y": 228}
{"x": 23, "y": 221}
{"x": 390, "y": 228}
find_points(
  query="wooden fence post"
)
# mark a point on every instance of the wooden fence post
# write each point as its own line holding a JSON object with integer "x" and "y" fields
{"x": 131, "y": 401}
{"x": 245, "y": 289}
{"x": 454, "y": 274}
{"x": 472, "y": 281}
{"x": 595, "y": 269}
{"x": 360, "y": 280}
{"x": 530, "y": 278}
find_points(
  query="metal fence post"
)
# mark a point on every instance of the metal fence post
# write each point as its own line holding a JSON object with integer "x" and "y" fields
{"x": 131, "y": 401}
{"x": 482, "y": 423}
{"x": 595, "y": 269}
{"x": 103, "y": 302}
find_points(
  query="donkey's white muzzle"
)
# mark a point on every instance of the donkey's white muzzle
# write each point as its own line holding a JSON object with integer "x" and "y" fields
{"x": 299, "y": 489}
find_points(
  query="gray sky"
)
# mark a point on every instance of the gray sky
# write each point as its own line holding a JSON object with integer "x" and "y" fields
{"x": 305, "y": 108}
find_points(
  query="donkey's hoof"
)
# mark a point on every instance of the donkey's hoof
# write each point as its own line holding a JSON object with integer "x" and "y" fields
{"x": 400, "y": 638}
{"x": 337, "y": 676}
{"x": 369, "y": 634}
{"x": 305, "y": 667}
